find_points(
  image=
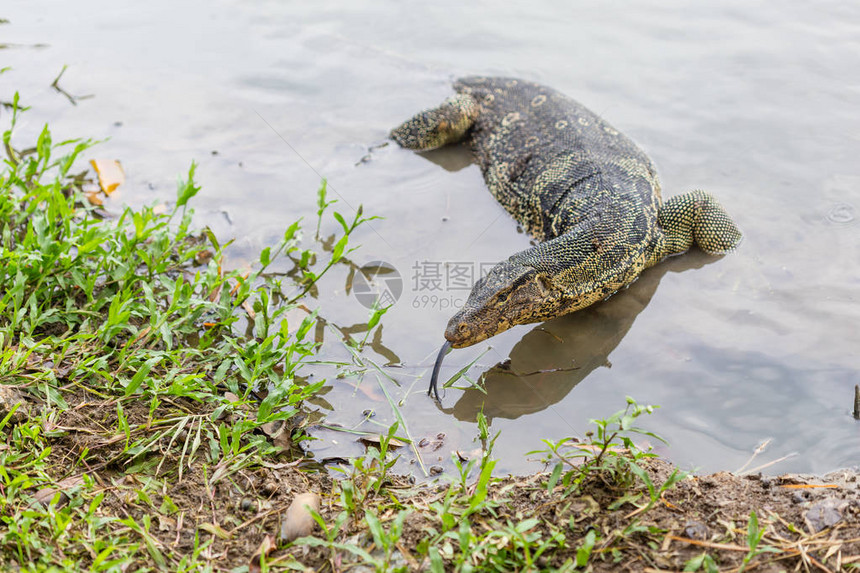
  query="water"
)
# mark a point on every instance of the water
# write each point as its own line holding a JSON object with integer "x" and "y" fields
{"x": 757, "y": 105}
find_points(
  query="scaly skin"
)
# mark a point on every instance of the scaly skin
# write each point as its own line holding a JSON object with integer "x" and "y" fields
{"x": 576, "y": 184}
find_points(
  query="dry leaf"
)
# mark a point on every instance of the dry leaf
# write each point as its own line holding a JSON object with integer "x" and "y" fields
{"x": 141, "y": 334}
{"x": 832, "y": 551}
{"x": 110, "y": 174}
{"x": 373, "y": 440}
{"x": 216, "y": 530}
{"x": 165, "y": 523}
{"x": 203, "y": 257}
{"x": 243, "y": 275}
{"x": 249, "y": 309}
{"x": 297, "y": 521}
{"x": 216, "y": 292}
{"x": 273, "y": 429}
{"x": 283, "y": 441}
{"x": 266, "y": 547}
{"x": 94, "y": 198}
{"x": 46, "y": 495}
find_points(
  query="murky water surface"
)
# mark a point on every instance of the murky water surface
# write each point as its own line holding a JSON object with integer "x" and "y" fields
{"x": 756, "y": 104}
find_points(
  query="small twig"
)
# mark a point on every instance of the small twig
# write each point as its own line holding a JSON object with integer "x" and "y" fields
{"x": 179, "y": 521}
{"x": 56, "y": 82}
{"x": 809, "y": 485}
{"x": 708, "y": 544}
{"x": 767, "y": 465}
{"x": 56, "y": 85}
{"x": 413, "y": 564}
{"x": 605, "y": 447}
{"x": 761, "y": 447}
{"x": 273, "y": 511}
{"x": 857, "y": 402}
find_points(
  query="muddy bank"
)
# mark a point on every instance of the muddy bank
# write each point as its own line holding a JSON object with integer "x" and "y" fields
{"x": 804, "y": 522}
{"x": 237, "y": 513}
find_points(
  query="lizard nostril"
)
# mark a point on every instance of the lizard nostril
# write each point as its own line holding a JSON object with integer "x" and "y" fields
{"x": 462, "y": 329}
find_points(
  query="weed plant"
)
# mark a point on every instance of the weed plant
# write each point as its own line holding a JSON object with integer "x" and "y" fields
{"x": 128, "y": 330}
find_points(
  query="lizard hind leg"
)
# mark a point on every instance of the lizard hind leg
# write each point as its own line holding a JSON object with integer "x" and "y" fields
{"x": 447, "y": 123}
{"x": 697, "y": 217}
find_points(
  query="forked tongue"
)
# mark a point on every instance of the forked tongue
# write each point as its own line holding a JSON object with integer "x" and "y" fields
{"x": 434, "y": 390}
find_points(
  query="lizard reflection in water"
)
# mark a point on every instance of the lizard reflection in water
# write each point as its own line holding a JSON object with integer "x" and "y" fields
{"x": 551, "y": 359}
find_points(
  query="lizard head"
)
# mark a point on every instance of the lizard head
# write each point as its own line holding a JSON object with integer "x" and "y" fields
{"x": 511, "y": 294}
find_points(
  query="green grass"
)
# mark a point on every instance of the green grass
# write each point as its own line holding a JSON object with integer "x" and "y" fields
{"x": 137, "y": 352}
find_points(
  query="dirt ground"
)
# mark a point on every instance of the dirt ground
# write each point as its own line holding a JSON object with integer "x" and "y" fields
{"x": 809, "y": 523}
{"x": 803, "y": 523}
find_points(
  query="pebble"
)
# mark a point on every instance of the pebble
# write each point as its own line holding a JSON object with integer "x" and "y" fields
{"x": 696, "y": 530}
{"x": 297, "y": 521}
{"x": 825, "y": 513}
{"x": 270, "y": 488}
{"x": 47, "y": 494}
{"x": 9, "y": 396}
